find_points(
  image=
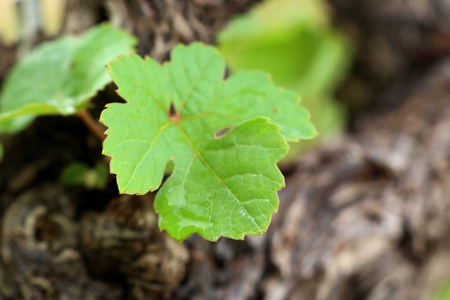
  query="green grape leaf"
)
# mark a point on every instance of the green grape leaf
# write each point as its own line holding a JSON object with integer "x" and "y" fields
{"x": 217, "y": 133}
{"x": 15, "y": 125}
{"x": 61, "y": 76}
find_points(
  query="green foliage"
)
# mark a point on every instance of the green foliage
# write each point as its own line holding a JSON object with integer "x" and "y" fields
{"x": 60, "y": 77}
{"x": 443, "y": 293}
{"x": 16, "y": 124}
{"x": 216, "y": 132}
{"x": 80, "y": 174}
{"x": 293, "y": 41}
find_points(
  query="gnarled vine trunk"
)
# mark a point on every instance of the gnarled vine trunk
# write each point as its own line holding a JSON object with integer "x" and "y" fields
{"x": 366, "y": 216}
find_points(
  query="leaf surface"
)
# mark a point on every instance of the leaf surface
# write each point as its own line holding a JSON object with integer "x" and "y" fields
{"x": 59, "y": 77}
{"x": 14, "y": 125}
{"x": 216, "y": 132}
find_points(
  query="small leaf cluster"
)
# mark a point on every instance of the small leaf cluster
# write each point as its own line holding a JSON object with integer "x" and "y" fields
{"x": 80, "y": 174}
{"x": 60, "y": 77}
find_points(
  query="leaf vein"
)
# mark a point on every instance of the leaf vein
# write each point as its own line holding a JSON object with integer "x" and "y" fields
{"x": 198, "y": 153}
{"x": 161, "y": 130}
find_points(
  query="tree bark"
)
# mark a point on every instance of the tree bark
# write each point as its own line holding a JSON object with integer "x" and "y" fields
{"x": 365, "y": 217}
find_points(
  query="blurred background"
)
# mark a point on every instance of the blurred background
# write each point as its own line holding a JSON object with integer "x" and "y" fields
{"x": 366, "y": 209}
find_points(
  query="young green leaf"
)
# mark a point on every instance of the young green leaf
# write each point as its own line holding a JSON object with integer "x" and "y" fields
{"x": 15, "y": 125}
{"x": 80, "y": 174}
{"x": 59, "y": 77}
{"x": 222, "y": 184}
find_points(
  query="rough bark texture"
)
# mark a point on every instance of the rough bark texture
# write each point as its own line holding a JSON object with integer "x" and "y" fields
{"x": 365, "y": 217}
{"x": 396, "y": 41}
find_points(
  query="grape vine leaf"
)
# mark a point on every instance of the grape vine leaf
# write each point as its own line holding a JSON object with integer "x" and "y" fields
{"x": 216, "y": 132}
{"x": 61, "y": 76}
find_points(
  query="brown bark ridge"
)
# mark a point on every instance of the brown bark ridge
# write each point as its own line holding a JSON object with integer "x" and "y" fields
{"x": 364, "y": 217}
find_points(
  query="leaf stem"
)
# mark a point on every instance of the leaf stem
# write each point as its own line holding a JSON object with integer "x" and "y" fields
{"x": 92, "y": 124}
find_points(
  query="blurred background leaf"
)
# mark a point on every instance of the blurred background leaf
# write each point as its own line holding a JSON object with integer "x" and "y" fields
{"x": 70, "y": 71}
{"x": 15, "y": 124}
{"x": 9, "y": 25}
{"x": 294, "y": 42}
{"x": 80, "y": 174}
{"x": 443, "y": 293}
{"x": 12, "y": 126}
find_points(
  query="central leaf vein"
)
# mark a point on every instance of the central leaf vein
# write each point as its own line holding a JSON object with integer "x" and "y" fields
{"x": 199, "y": 155}
{"x": 150, "y": 146}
